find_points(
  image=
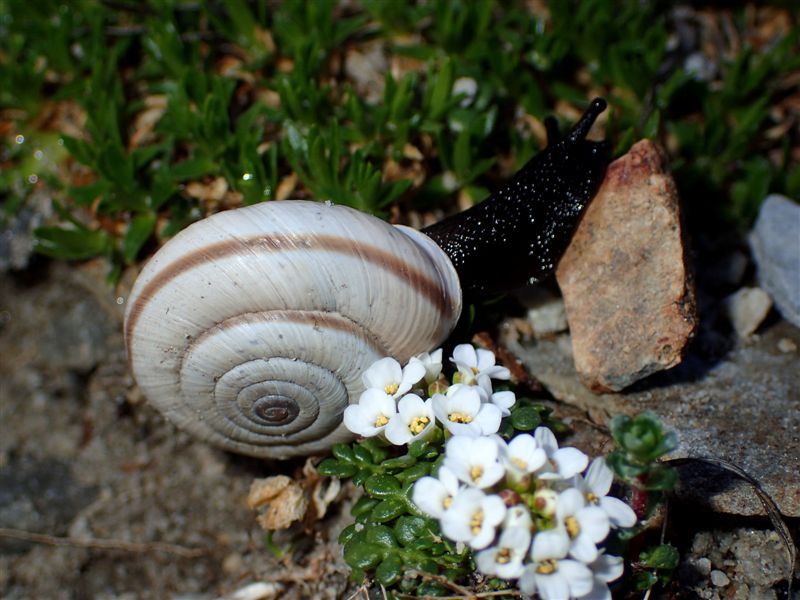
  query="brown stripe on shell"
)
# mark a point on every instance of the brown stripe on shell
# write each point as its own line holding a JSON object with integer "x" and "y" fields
{"x": 334, "y": 320}
{"x": 276, "y": 242}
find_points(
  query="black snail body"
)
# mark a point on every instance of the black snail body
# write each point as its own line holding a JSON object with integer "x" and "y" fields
{"x": 519, "y": 233}
{"x": 251, "y": 328}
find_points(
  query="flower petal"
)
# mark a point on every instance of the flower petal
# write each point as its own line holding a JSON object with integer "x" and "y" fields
{"x": 619, "y": 513}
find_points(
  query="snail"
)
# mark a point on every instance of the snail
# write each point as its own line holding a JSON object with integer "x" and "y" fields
{"x": 251, "y": 328}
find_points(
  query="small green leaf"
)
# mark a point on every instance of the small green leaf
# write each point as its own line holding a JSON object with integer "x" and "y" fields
{"x": 409, "y": 529}
{"x": 664, "y": 557}
{"x": 388, "y": 509}
{"x": 413, "y": 473}
{"x": 72, "y": 244}
{"x": 382, "y": 486}
{"x": 380, "y": 535}
{"x": 139, "y": 230}
{"x": 343, "y": 452}
{"x": 360, "y": 555}
{"x": 389, "y": 571}
{"x": 363, "y": 505}
{"x": 331, "y": 467}
{"x": 347, "y": 534}
{"x": 525, "y": 418}
{"x": 362, "y": 455}
{"x": 401, "y": 462}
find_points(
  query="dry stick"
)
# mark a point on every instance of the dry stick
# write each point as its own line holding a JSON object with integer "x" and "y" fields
{"x": 465, "y": 594}
{"x": 101, "y": 544}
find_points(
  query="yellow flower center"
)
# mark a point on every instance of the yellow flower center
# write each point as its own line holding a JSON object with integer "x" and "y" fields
{"x": 456, "y": 417}
{"x": 418, "y": 424}
{"x": 591, "y": 498}
{"x": 391, "y": 388}
{"x": 476, "y": 521}
{"x": 519, "y": 463}
{"x": 573, "y": 528}
{"x": 546, "y": 567}
{"x": 447, "y": 502}
{"x": 475, "y": 473}
{"x": 503, "y": 556}
{"x": 474, "y": 370}
{"x": 381, "y": 421}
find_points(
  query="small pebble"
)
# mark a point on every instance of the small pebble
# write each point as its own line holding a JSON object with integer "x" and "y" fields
{"x": 703, "y": 565}
{"x": 786, "y": 345}
{"x": 719, "y": 579}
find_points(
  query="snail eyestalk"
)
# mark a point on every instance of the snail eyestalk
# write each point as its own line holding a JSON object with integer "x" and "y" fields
{"x": 519, "y": 233}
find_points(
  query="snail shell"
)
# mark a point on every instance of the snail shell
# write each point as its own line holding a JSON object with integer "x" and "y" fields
{"x": 251, "y": 328}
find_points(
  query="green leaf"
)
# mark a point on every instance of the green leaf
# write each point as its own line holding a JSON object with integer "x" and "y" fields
{"x": 72, "y": 244}
{"x": 347, "y": 534}
{"x": 389, "y": 571}
{"x": 193, "y": 168}
{"x": 361, "y": 555}
{"x": 409, "y": 529}
{"x": 363, "y": 505}
{"x": 380, "y": 535}
{"x": 343, "y": 452}
{"x": 388, "y": 509}
{"x": 331, "y": 467}
{"x": 139, "y": 230}
{"x": 411, "y": 474}
{"x": 382, "y": 486}
{"x": 401, "y": 462}
{"x": 525, "y": 418}
{"x": 664, "y": 557}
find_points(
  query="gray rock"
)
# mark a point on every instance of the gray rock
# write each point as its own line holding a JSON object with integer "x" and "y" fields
{"x": 719, "y": 579}
{"x": 747, "y": 308}
{"x": 775, "y": 241}
{"x": 743, "y": 408}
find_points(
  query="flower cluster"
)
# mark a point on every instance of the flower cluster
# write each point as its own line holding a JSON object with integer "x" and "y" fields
{"x": 392, "y": 405}
{"x": 530, "y": 511}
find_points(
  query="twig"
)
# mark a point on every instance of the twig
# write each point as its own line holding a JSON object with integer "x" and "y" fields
{"x": 464, "y": 593}
{"x": 103, "y": 544}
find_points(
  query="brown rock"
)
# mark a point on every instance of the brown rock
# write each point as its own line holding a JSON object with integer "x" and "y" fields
{"x": 629, "y": 299}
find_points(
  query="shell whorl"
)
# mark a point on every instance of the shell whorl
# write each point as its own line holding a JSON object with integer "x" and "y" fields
{"x": 251, "y": 328}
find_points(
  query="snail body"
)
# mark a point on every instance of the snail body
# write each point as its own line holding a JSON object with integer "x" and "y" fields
{"x": 251, "y": 328}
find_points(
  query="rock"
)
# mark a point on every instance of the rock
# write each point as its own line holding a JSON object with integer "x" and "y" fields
{"x": 629, "y": 298}
{"x": 775, "y": 242}
{"x": 747, "y": 308}
{"x": 719, "y": 579}
{"x": 546, "y": 314}
{"x": 743, "y": 407}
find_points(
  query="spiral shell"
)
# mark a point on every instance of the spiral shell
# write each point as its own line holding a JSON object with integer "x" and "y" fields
{"x": 251, "y": 328}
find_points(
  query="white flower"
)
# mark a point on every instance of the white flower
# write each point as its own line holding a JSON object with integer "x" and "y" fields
{"x": 562, "y": 463}
{"x": 522, "y": 455}
{"x": 586, "y": 526}
{"x": 518, "y": 516}
{"x": 474, "y": 460}
{"x": 505, "y": 559}
{"x": 551, "y": 574}
{"x": 387, "y": 375}
{"x": 504, "y": 401}
{"x": 434, "y": 496}
{"x": 473, "y": 517}
{"x": 605, "y": 568}
{"x": 595, "y": 487}
{"x": 462, "y": 412}
{"x": 476, "y": 365}
{"x": 433, "y": 364}
{"x": 413, "y": 420}
{"x": 371, "y": 415}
